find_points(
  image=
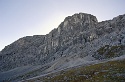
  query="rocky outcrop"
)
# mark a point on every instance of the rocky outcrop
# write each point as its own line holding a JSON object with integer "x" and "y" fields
{"x": 78, "y": 35}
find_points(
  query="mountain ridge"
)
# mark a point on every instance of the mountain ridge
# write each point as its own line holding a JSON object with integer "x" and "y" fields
{"x": 22, "y": 42}
{"x": 76, "y": 41}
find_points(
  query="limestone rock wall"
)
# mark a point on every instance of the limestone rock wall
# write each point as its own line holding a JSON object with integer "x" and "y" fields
{"x": 79, "y": 34}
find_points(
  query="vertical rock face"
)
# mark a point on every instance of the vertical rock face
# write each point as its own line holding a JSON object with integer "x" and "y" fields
{"x": 80, "y": 34}
{"x": 77, "y": 23}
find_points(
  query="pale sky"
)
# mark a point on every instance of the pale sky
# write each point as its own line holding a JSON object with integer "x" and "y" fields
{"x": 19, "y": 18}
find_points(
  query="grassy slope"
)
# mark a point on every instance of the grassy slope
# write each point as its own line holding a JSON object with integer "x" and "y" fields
{"x": 112, "y": 71}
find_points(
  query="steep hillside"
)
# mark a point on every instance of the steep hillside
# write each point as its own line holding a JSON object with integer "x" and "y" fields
{"x": 35, "y": 50}
{"x": 80, "y": 40}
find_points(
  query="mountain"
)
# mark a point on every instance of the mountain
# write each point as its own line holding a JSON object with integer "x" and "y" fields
{"x": 80, "y": 40}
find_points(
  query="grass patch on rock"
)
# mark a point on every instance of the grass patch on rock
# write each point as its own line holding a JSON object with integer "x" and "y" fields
{"x": 109, "y": 52}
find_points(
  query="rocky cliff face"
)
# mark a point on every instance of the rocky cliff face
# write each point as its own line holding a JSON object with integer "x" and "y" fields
{"x": 78, "y": 36}
{"x": 45, "y": 48}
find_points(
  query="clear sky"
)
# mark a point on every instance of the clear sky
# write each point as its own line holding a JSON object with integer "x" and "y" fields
{"x": 19, "y": 18}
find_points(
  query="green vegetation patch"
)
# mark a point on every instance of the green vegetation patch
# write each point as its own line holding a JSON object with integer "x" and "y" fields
{"x": 109, "y": 52}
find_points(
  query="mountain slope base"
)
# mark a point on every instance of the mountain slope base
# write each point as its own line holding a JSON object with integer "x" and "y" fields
{"x": 111, "y": 71}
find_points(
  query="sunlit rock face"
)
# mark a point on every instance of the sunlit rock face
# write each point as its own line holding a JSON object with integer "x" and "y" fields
{"x": 77, "y": 23}
{"x": 78, "y": 35}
